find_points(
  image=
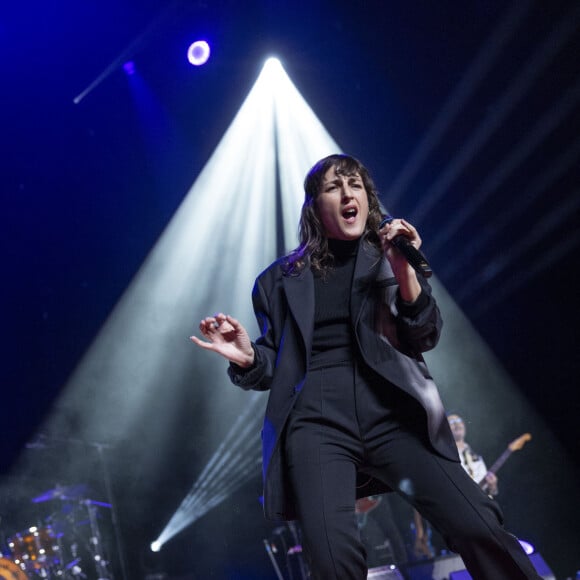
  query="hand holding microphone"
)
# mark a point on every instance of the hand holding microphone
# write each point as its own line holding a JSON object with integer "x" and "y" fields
{"x": 415, "y": 258}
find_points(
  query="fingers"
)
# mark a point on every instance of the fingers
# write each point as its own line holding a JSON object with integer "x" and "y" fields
{"x": 400, "y": 227}
{"x": 208, "y": 326}
{"x": 215, "y": 327}
{"x": 236, "y": 325}
{"x": 408, "y": 226}
{"x": 202, "y": 343}
{"x": 211, "y": 324}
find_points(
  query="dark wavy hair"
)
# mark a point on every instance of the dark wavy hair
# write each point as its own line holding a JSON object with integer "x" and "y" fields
{"x": 313, "y": 247}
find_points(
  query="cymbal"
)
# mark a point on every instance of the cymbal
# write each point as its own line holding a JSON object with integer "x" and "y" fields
{"x": 64, "y": 493}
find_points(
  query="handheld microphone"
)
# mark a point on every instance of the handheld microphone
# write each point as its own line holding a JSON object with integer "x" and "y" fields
{"x": 415, "y": 258}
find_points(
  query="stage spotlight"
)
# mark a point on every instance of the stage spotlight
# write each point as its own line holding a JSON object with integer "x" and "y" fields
{"x": 198, "y": 53}
{"x": 272, "y": 64}
{"x": 156, "y": 546}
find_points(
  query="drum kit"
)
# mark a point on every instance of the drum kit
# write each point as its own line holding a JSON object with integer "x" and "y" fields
{"x": 67, "y": 545}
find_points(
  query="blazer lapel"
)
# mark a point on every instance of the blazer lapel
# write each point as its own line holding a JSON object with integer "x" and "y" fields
{"x": 368, "y": 267}
{"x": 300, "y": 294}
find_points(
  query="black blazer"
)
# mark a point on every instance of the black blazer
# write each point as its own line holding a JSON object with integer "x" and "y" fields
{"x": 391, "y": 336}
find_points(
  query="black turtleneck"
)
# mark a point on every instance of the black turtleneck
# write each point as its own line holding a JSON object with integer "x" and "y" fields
{"x": 332, "y": 327}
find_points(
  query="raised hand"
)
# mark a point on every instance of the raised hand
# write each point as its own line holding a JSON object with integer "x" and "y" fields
{"x": 404, "y": 273}
{"x": 226, "y": 336}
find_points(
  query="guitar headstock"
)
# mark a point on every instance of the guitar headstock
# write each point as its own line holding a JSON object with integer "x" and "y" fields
{"x": 518, "y": 443}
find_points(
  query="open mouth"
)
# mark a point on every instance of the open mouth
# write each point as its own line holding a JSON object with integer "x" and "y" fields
{"x": 350, "y": 213}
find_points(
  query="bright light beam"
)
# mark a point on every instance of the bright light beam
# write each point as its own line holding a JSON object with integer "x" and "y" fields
{"x": 236, "y": 187}
{"x": 299, "y": 131}
{"x": 301, "y": 141}
{"x": 143, "y": 343}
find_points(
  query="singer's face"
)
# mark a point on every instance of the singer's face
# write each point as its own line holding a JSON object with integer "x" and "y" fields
{"x": 343, "y": 205}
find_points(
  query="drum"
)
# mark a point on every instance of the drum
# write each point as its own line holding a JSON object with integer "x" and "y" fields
{"x": 35, "y": 548}
{"x": 11, "y": 571}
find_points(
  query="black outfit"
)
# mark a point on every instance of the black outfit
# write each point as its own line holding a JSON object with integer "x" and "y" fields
{"x": 353, "y": 410}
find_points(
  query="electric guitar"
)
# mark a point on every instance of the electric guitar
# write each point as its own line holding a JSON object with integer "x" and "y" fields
{"x": 515, "y": 445}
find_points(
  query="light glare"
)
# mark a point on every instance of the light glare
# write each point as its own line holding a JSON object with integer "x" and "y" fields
{"x": 273, "y": 63}
{"x": 527, "y": 547}
{"x": 198, "y": 53}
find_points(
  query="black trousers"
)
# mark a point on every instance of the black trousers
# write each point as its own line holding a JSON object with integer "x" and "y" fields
{"x": 348, "y": 419}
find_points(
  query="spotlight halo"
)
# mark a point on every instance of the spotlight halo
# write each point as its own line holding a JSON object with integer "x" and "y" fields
{"x": 198, "y": 52}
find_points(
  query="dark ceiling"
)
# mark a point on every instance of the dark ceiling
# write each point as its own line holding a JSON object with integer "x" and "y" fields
{"x": 488, "y": 90}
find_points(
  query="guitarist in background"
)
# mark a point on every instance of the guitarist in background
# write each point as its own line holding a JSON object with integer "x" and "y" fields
{"x": 476, "y": 468}
{"x": 471, "y": 462}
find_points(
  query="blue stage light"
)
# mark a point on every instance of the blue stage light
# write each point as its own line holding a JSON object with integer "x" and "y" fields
{"x": 198, "y": 53}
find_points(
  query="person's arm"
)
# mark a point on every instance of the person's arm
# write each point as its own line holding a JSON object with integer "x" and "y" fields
{"x": 409, "y": 286}
{"x": 259, "y": 375}
{"x": 491, "y": 484}
{"x": 251, "y": 363}
{"x": 480, "y": 473}
{"x": 418, "y": 318}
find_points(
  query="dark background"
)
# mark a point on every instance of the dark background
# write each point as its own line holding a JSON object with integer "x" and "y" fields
{"x": 85, "y": 196}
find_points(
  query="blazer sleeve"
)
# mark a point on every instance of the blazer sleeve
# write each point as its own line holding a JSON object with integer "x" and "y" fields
{"x": 259, "y": 376}
{"x": 419, "y": 323}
